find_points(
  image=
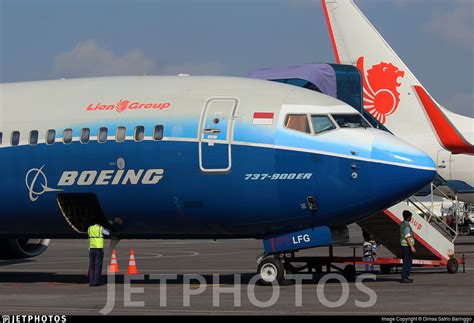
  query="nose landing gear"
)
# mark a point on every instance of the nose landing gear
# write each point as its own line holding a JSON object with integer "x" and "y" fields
{"x": 271, "y": 271}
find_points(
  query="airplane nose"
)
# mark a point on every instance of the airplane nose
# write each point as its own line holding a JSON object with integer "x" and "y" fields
{"x": 401, "y": 169}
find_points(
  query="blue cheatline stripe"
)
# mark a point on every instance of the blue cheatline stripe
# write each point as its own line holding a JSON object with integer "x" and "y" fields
{"x": 253, "y": 144}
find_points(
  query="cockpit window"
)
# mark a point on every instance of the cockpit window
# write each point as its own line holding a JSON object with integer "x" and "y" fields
{"x": 322, "y": 123}
{"x": 298, "y": 122}
{"x": 350, "y": 121}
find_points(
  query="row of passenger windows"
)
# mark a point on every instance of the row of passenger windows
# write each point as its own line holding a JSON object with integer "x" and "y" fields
{"x": 322, "y": 123}
{"x": 85, "y": 134}
{"x": 298, "y": 122}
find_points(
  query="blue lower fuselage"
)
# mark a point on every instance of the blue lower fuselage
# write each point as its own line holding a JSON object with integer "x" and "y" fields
{"x": 264, "y": 193}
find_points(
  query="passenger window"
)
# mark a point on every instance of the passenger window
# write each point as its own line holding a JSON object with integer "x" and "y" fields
{"x": 85, "y": 135}
{"x": 322, "y": 123}
{"x": 102, "y": 137}
{"x": 298, "y": 122}
{"x": 1, "y": 137}
{"x": 33, "y": 137}
{"x": 50, "y": 136}
{"x": 67, "y": 136}
{"x": 121, "y": 134}
{"x": 139, "y": 133}
{"x": 15, "y": 138}
{"x": 158, "y": 133}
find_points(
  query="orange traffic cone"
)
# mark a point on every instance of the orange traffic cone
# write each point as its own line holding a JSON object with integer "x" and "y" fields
{"x": 132, "y": 267}
{"x": 113, "y": 268}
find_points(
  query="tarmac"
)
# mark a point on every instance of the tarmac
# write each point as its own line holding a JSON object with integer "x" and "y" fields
{"x": 218, "y": 277}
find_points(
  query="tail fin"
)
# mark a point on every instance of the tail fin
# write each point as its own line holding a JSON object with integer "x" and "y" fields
{"x": 392, "y": 94}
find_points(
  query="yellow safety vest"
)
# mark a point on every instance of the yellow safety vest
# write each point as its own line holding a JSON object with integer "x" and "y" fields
{"x": 403, "y": 240}
{"x": 96, "y": 239}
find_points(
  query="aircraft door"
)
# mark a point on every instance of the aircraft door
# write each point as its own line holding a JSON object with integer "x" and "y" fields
{"x": 216, "y": 133}
{"x": 443, "y": 163}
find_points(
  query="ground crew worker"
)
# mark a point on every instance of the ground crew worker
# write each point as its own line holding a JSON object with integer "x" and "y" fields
{"x": 407, "y": 242}
{"x": 96, "y": 252}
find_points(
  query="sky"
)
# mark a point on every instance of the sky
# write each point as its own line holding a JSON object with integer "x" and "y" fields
{"x": 50, "y": 39}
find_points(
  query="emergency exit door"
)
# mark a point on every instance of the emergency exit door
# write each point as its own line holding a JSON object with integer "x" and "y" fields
{"x": 215, "y": 134}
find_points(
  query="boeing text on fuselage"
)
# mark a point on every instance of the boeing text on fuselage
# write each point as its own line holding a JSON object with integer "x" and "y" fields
{"x": 37, "y": 182}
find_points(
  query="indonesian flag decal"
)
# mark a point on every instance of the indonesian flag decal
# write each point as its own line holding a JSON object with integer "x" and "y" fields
{"x": 263, "y": 118}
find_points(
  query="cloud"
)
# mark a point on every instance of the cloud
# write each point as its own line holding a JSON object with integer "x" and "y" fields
{"x": 89, "y": 59}
{"x": 461, "y": 103}
{"x": 212, "y": 68}
{"x": 453, "y": 27}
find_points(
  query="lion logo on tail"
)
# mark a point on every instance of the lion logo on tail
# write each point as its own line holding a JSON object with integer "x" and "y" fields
{"x": 381, "y": 97}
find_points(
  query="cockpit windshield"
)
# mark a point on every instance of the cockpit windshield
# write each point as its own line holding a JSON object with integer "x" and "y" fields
{"x": 350, "y": 121}
{"x": 322, "y": 123}
{"x": 315, "y": 124}
{"x": 298, "y": 122}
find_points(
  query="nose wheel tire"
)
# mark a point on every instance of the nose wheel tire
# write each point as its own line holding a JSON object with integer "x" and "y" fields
{"x": 271, "y": 270}
{"x": 452, "y": 266}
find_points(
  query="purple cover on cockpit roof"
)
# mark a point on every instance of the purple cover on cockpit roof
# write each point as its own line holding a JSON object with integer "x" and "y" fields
{"x": 320, "y": 74}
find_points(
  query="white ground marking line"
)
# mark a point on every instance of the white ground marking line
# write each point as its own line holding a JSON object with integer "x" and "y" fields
{"x": 85, "y": 258}
{"x": 155, "y": 256}
{"x": 192, "y": 254}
